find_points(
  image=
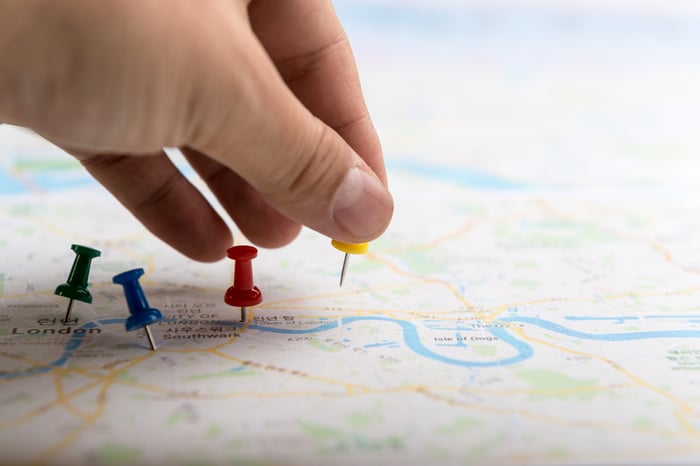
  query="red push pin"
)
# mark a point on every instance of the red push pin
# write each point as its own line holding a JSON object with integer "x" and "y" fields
{"x": 243, "y": 293}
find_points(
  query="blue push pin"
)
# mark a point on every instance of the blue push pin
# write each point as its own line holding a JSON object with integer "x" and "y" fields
{"x": 141, "y": 314}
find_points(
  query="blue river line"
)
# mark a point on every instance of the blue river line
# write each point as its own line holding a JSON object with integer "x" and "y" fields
{"x": 388, "y": 344}
{"x": 410, "y": 336}
{"x": 622, "y": 319}
{"x": 524, "y": 351}
{"x": 464, "y": 177}
{"x": 9, "y": 185}
{"x": 412, "y": 339}
{"x": 71, "y": 346}
{"x": 626, "y": 336}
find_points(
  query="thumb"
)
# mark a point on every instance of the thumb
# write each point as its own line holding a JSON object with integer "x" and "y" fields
{"x": 251, "y": 123}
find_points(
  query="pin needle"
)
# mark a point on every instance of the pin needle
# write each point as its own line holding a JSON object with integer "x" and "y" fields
{"x": 70, "y": 306}
{"x": 150, "y": 337}
{"x": 348, "y": 248}
{"x": 345, "y": 267}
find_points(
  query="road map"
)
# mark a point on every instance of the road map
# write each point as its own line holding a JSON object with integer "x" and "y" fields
{"x": 536, "y": 300}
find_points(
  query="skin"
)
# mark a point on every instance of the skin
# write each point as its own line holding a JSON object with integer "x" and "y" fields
{"x": 262, "y": 97}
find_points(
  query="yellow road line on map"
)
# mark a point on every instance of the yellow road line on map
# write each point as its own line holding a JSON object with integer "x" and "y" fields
{"x": 32, "y": 362}
{"x": 488, "y": 391}
{"x": 498, "y": 392}
{"x": 336, "y": 294}
{"x": 113, "y": 245}
{"x": 62, "y": 400}
{"x": 655, "y": 245}
{"x": 353, "y": 391}
{"x": 140, "y": 386}
{"x": 49, "y": 226}
{"x": 190, "y": 395}
{"x": 656, "y": 294}
{"x": 106, "y": 382}
{"x": 687, "y": 425}
{"x": 215, "y": 350}
{"x": 14, "y": 422}
{"x": 351, "y": 388}
{"x": 117, "y": 248}
{"x": 465, "y": 228}
{"x": 73, "y": 435}
{"x": 30, "y": 294}
{"x": 251, "y": 314}
{"x": 425, "y": 280}
{"x": 116, "y": 380}
{"x": 549, "y": 419}
{"x": 685, "y": 408}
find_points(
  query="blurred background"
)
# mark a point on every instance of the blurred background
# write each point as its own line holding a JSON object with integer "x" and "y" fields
{"x": 548, "y": 94}
{"x": 552, "y": 94}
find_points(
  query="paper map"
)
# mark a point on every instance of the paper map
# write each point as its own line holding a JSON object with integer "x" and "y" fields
{"x": 535, "y": 301}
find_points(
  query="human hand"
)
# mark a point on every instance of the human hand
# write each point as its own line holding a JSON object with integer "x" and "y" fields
{"x": 261, "y": 96}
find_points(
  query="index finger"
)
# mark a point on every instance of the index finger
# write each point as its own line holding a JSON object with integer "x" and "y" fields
{"x": 311, "y": 51}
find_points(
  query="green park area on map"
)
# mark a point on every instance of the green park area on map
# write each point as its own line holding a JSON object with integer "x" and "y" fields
{"x": 536, "y": 299}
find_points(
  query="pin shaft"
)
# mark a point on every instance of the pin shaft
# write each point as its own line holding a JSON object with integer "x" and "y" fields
{"x": 345, "y": 267}
{"x": 70, "y": 306}
{"x": 243, "y": 314}
{"x": 150, "y": 337}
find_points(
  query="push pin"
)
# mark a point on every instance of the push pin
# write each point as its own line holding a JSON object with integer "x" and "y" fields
{"x": 243, "y": 293}
{"x": 349, "y": 248}
{"x": 77, "y": 285}
{"x": 141, "y": 315}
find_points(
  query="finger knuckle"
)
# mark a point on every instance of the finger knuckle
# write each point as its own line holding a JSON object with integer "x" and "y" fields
{"x": 309, "y": 173}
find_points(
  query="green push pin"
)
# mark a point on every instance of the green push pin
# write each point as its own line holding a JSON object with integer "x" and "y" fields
{"x": 77, "y": 284}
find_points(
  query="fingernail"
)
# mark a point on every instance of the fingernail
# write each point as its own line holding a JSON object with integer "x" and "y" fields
{"x": 362, "y": 205}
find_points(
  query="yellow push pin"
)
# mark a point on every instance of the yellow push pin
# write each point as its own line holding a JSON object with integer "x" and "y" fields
{"x": 349, "y": 248}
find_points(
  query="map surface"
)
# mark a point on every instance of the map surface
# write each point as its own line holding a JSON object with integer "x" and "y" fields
{"x": 536, "y": 299}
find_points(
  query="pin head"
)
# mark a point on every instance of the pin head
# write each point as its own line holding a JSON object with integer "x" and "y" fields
{"x": 351, "y": 248}
{"x": 243, "y": 293}
{"x": 85, "y": 251}
{"x": 141, "y": 313}
{"x": 128, "y": 276}
{"x": 76, "y": 287}
{"x": 242, "y": 253}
